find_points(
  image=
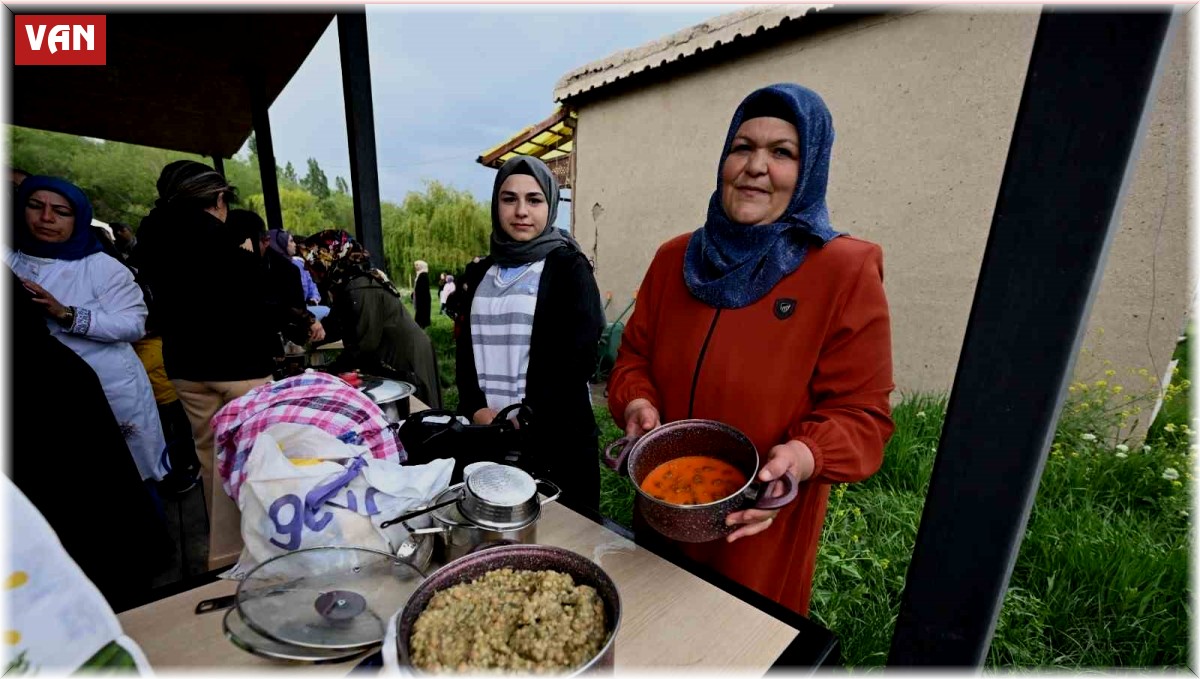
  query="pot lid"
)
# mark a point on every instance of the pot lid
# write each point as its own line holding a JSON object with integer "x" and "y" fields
{"x": 327, "y": 598}
{"x": 382, "y": 390}
{"x": 244, "y": 637}
{"x": 502, "y": 485}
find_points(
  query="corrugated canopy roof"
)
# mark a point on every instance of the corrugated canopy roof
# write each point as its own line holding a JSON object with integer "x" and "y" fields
{"x": 677, "y": 46}
{"x": 178, "y": 81}
{"x": 551, "y": 140}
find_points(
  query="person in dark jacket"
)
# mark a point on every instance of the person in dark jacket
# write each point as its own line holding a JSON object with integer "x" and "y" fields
{"x": 421, "y": 301}
{"x": 532, "y": 319}
{"x": 284, "y": 291}
{"x": 218, "y": 338}
{"x": 367, "y": 314}
{"x": 75, "y": 466}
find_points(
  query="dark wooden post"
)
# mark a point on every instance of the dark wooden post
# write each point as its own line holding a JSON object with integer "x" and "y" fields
{"x": 266, "y": 153}
{"x": 1071, "y": 158}
{"x": 360, "y": 128}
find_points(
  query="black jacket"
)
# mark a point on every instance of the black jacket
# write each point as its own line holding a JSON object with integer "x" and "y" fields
{"x": 285, "y": 298}
{"x": 567, "y": 323}
{"x": 208, "y": 301}
{"x": 381, "y": 339}
{"x": 73, "y": 464}
{"x": 421, "y": 300}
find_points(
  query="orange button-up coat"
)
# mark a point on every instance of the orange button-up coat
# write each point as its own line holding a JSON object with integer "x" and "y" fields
{"x": 810, "y": 361}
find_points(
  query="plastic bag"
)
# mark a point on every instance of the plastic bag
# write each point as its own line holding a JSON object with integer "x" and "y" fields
{"x": 305, "y": 488}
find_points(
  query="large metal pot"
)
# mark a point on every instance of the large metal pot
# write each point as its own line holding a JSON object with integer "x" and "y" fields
{"x": 390, "y": 395}
{"x": 704, "y": 522}
{"x": 518, "y": 557}
{"x": 458, "y": 535}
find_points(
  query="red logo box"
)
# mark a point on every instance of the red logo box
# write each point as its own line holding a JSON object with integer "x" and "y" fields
{"x": 60, "y": 39}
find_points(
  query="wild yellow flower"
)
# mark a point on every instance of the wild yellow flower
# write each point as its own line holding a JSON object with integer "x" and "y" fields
{"x": 1117, "y": 389}
{"x": 1170, "y": 427}
{"x": 1110, "y": 373}
{"x": 1101, "y": 383}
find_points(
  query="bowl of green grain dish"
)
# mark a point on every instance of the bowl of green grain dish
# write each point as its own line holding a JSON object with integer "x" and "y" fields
{"x": 520, "y": 609}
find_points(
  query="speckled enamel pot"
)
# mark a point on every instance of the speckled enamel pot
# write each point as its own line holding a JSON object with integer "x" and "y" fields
{"x": 518, "y": 557}
{"x": 695, "y": 523}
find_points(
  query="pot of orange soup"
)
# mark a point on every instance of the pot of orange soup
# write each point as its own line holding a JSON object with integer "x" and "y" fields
{"x": 691, "y": 474}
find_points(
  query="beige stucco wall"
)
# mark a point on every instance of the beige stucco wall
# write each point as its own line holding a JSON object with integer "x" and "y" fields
{"x": 923, "y": 105}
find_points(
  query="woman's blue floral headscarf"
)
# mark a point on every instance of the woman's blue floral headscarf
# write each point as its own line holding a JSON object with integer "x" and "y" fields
{"x": 730, "y": 265}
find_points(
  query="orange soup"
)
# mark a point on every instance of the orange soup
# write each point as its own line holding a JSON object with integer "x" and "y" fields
{"x": 693, "y": 480}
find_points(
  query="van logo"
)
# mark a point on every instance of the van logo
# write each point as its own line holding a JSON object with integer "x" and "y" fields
{"x": 784, "y": 307}
{"x": 59, "y": 40}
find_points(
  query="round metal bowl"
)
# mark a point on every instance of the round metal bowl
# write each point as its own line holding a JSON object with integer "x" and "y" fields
{"x": 518, "y": 557}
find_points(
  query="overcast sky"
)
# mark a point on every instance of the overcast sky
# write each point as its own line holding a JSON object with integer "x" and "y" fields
{"x": 449, "y": 83}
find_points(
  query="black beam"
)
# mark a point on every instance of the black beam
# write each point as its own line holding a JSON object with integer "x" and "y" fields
{"x": 260, "y": 108}
{"x": 1072, "y": 155}
{"x": 219, "y": 164}
{"x": 360, "y": 129}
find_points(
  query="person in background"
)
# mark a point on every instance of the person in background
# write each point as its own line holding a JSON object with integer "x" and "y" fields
{"x": 312, "y": 296}
{"x": 68, "y": 454}
{"x": 421, "y": 301}
{"x": 284, "y": 293}
{"x": 447, "y": 290}
{"x": 16, "y": 175}
{"x": 367, "y": 314}
{"x": 455, "y": 302}
{"x": 768, "y": 320}
{"x": 124, "y": 239}
{"x": 532, "y": 319}
{"x": 184, "y": 472}
{"x": 218, "y": 340}
{"x": 91, "y": 304}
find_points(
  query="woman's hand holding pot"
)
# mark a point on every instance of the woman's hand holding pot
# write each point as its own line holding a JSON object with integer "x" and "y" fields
{"x": 794, "y": 457}
{"x": 640, "y": 417}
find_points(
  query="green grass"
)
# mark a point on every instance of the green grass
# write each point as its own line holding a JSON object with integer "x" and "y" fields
{"x": 1102, "y": 576}
{"x": 1101, "y": 579}
{"x": 441, "y": 333}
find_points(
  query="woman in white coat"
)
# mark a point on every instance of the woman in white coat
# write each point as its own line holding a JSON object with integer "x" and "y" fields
{"x": 92, "y": 305}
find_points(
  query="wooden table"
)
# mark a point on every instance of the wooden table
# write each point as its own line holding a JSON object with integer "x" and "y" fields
{"x": 674, "y": 614}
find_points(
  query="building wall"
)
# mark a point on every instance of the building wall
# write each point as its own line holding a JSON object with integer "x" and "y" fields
{"x": 923, "y": 106}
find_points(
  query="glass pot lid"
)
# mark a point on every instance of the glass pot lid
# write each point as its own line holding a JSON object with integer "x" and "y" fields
{"x": 331, "y": 598}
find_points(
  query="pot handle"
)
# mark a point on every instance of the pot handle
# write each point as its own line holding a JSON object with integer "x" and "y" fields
{"x": 615, "y": 462}
{"x": 791, "y": 489}
{"x": 432, "y": 530}
{"x": 553, "y": 496}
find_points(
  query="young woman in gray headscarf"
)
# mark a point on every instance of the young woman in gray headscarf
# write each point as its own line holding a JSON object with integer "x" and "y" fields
{"x": 531, "y": 332}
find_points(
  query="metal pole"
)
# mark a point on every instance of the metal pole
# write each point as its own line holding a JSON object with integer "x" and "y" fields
{"x": 219, "y": 164}
{"x": 1071, "y": 159}
{"x": 266, "y": 153}
{"x": 360, "y": 128}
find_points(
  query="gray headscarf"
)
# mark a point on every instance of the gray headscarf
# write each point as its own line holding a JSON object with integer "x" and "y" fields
{"x": 508, "y": 252}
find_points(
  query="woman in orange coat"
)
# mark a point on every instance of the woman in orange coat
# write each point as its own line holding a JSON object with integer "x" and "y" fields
{"x": 768, "y": 320}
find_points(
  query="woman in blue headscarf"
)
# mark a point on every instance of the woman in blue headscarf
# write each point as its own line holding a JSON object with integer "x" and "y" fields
{"x": 92, "y": 305}
{"x": 767, "y": 319}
